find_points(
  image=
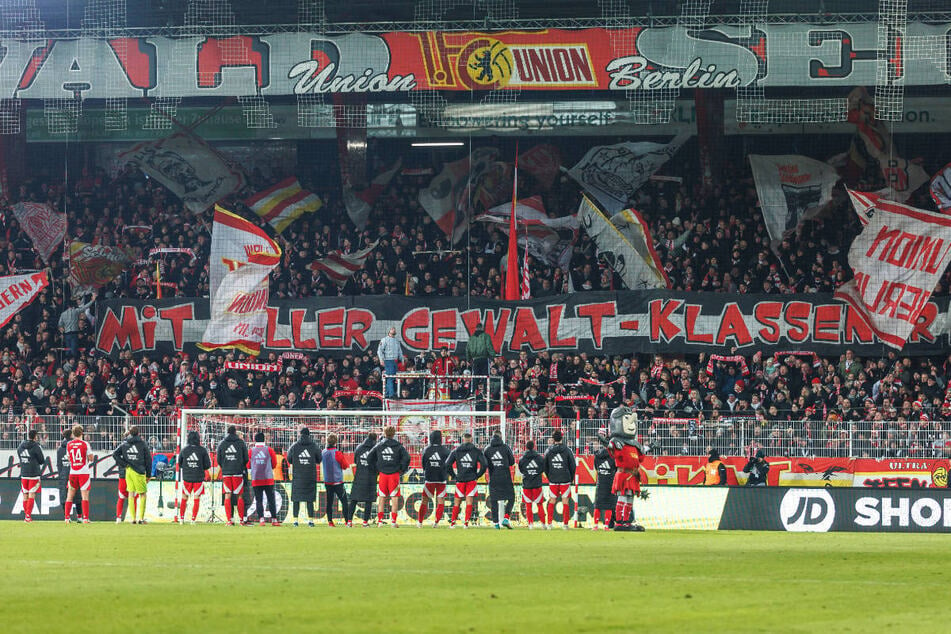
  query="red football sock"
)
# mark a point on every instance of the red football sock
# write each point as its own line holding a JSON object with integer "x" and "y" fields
{"x": 607, "y": 517}
{"x": 28, "y": 507}
{"x": 529, "y": 514}
{"x": 506, "y": 516}
{"x": 440, "y": 506}
{"x": 541, "y": 513}
{"x": 469, "y": 512}
{"x": 423, "y": 507}
{"x": 228, "y": 507}
{"x": 68, "y": 507}
{"x": 120, "y": 504}
{"x": 455, "y": 513}
{"x": 565, "y": 512}
{"x": 194, "y": 509}
{"x": 551, "y": 512}
{"x": 85, "y": 509}
{"x": 379, "y": 516}
{"x": 393, "y": 516}
{"x": 619, "y": 512}
{"x": 628, "y": 508}
{"x": 181, "y": 510}
{"x": 597, "y": 514}
{"x": 241, "y": 508}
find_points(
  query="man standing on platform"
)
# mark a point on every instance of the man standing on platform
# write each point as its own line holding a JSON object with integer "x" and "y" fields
{"x": 390, "y": 353}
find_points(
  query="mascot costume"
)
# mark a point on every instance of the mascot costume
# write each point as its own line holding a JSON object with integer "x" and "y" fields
{"x": 627, "y": 453}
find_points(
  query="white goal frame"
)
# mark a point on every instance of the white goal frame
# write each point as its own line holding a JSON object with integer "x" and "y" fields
{"x": 277, "y": 419}
{"x": 381, "y": 418}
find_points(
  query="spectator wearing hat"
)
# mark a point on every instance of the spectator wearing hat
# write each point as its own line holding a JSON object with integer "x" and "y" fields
{"x": 714, "y": 472}
{"x": 758, "y": 469}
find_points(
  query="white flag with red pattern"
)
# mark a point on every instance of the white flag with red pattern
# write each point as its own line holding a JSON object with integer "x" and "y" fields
{"x": 897, "y": 261}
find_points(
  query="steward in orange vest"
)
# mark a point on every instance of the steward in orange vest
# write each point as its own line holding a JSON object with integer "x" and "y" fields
{"x": 714, "y": 472}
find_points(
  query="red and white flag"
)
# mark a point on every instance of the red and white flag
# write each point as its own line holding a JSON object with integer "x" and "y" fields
{"x": 903, "y": 178}
{"x": 359, "y": 204}
{"x": 624, "y": 251}
{"x": 17, "y": 291}
{"x": 941, "y": 189}
{"x": 897, "y": 261}
{"x": 536, "y": 231}
{"x": 447, "y": 198}
{"x": 341, "y": 266}
{"x": 94, "y": 265}
{"x": 283, "y": 203}
{"x": 46, "y": 227}
{"x": 543, "y": 162}
{"x": 242, "y": 257}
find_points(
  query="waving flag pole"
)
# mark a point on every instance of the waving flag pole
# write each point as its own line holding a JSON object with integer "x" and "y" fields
{"x": 511, "y": 271}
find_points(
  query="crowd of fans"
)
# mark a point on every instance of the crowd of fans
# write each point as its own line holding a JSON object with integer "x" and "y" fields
{"x": 710, "y": 238}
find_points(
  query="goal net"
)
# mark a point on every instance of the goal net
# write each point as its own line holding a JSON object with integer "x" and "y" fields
{"x": 281, "y": 427}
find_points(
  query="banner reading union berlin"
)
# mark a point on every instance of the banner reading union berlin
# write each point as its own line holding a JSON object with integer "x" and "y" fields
{"x": 637, "y": 58}
{"x": 602, "y": 323}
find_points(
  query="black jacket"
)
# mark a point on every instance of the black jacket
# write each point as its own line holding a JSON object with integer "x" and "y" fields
{"x": 559, "y": 464}
{"x": 466, "y": 463}
{"x": 605, "y": 468}
{"x": 194, "y": 460}
{"x": 134, "y": 454}
{"x": 364, "y": 475}
{"x": 303, "y": 456}
{"x": 232, "y": 456}
{"x": 758, "y": 472}
{"x": 531, "y": 465}
{"x": 31, "y": 459}
{"x": 500, "y": 459}
{"x": 62, "y": 463}
{"x": 434, "y": 459}
{"x": 390, "y": 456}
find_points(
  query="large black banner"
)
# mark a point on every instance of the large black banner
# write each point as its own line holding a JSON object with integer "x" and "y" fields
{"x": 50, "y": 499}
{"x": 837, "y": 509}
{"x": 606, "y": 323}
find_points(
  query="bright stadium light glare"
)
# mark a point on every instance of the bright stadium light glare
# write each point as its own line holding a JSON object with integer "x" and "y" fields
{"x": 437, "y": 143}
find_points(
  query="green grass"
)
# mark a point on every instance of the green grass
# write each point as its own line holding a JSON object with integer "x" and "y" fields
{"x": 104, "y": 577}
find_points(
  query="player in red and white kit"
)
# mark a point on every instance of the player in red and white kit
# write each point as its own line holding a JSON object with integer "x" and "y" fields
{"x": 80, "y": 472}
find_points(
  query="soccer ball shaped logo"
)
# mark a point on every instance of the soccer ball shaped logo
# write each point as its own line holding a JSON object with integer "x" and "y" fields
{"x": 488, "y": 63}
{"x": 939, "y": 477}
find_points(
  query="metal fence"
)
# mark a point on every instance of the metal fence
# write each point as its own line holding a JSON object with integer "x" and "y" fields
{"x": 678, "y": 437}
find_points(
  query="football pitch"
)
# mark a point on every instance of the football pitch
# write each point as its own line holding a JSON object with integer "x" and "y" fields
{"x": 165, "y": 578}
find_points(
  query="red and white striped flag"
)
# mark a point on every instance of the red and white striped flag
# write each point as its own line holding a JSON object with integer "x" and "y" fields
{"x": 526, "y": 286}
{"x": 284, "y": 203}
{"x": 341, "y": 266}
{"x": 359, "y": 204}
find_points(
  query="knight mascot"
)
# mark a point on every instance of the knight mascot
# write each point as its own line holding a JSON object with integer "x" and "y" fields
{"x": 627, "y": 453}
